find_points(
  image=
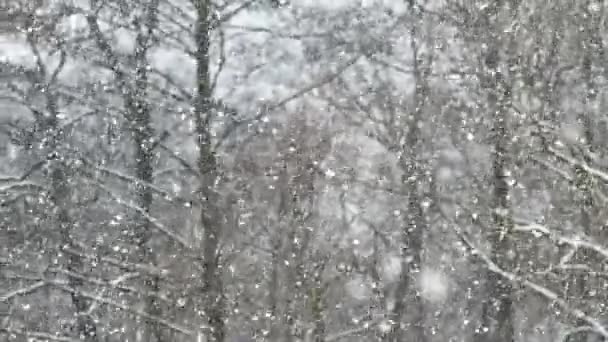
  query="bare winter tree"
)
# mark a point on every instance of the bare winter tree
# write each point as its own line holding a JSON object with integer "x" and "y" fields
{"x": 213, "y": 170}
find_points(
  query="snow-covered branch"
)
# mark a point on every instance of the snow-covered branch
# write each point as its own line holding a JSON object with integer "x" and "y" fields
{"x": 593, "y": 323}
{"x": 575, "y": 242}
{"x": 155, "y": 222}
{"x": 136, "y": 181}
{"x": 350, "y": 332}
{"x": 22, "y": 291}
{"x": 553, "y": 168}
{"x": 15, "y": 179}
{"x": 322, "y": 81}
{"x": 114, "y": 284}
{"x": 17, "y": 186}
{"x": 580, "y": 268}
{"x": 78, "y": 118}
{"x": 578, "y": 163}
{"x": 183, "y": 162}
{"x": 106, "y": 301}
{"x": 38, "y": 335}
{"x": 148, "y": 269}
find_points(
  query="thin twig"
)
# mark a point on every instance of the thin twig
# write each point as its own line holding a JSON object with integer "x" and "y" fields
{"x": 155, "y": 222}
{"x": 541, "y": 290}
{"x": 575, "y": 242}
{"x": 136, "y": 181}
{"x": 38, "y": 335}
{"x": 264, "y": 111}
{"x": 22, "y": 291}
{"x": 159, "y": 320}
{"x": 148, "y": 269}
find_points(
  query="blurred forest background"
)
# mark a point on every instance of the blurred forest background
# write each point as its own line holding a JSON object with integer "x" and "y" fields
{"x": 303, "y": 170}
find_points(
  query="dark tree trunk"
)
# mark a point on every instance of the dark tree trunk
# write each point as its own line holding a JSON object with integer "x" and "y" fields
{"x": 579, "y": 283}
{"x": 61, "y": 197}
{"x": 497, "y": 309}
{"x": 140, "y": 120}
{"x": 212, "y": 289}
{"x": 412, "y": 232}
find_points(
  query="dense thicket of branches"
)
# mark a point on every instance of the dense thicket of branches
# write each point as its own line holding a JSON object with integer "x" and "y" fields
{"x": 205, "y": 170}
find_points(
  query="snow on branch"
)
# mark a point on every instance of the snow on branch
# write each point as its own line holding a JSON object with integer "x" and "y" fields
{"x": 578, "y": 163}
{"x": 22, "y": 291}
{"x": 78, "y": 118}
{"x": 580, "y": 268}
{"x": 183, "y": 162}
{"x": 115, "y": 283}
{"x": 38, "y": 335}
{"x": 21, "y": 179}
{"x": 553, "y": 168}
{"x": 575, "y": 242}
{"x": 16, "y": 186}
{"x": 348, "y": 333}
{"x": 567, "y": 336}
{"x": 106, "y": 301}
{"x": 148, "y": 269}
{"x": 135, "y": 180}
{"x": 593, "y": 323}
{"x": 320, "y": 82}
{"x": 155, "y": 222}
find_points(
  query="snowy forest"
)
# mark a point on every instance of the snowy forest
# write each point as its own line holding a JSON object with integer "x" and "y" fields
{"x": 303, "y": 170}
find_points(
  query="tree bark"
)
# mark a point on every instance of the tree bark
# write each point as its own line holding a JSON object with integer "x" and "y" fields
{"x": 415, "y": 223}
{"x": 212, "y": 288}
{"x": 140, "y": 121}
{"x": 497, "y": 310}
{"x": 583, "y": 181}
{"x": 60, "y": 191}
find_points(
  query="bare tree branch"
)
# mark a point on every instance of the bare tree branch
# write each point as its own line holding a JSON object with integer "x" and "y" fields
{"x": 38, "y": 335}
{"x": 181, "y": 160}
{"x": 147, "y": 269}
{"x": 227, "y": 16}
{"x": 136, "y": 181}
{"x": 579, "y": 163}
{"x": 222, "y": 60}
{"x": 595, "y": 324}
{"x": 22, "y": 291}
{"x": 127, "y": 308}
{"x": 326, "y": 79}
{"x": 113, "y": 284}
{"x": 575, "y": 242}
{"x": 155, "y": 222}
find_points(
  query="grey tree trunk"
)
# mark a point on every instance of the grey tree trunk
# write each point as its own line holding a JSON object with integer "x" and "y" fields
{"x": 60, "y": 199}
{"x": 143, "y": 138}
{"x": 579, "y": 283}
{"x": 497, "y": 310}
{"x": 415, "y": 223}
{"x": 212, "y": 289}
{"x": 138, "y": 115}
{"x": 51, "y": 144}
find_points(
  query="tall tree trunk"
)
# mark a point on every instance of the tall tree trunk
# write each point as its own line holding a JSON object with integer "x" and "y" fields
{"x": 60, "y": 190}
{"x": 415, "y": 223}
{"x": 497, "y": 310}
{"x": 142, "y": 138}
{"x": 135, "y": 97}
{"x": 317, "y": 302}
{"x": 274, "y": 324}
{"x": 212, "y": 290}
{"x": 61, "y": 201}
{"x": 140, "y": 120}
{"x": 583, "y": 181}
